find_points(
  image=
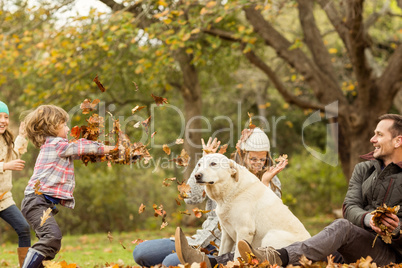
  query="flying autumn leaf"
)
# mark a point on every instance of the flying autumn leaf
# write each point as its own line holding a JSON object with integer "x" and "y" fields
{"x": 37, "y": 188}
{"x": 183, "y": 189}
{"x": 2, "y": 195}
{"x": 163, "y": 225}
{"x": 185, "y": 212}
{"x": 223, "y": 149}
{"x": 166, "y": 183}
{"x": 122, "y": 245}
{"x": 141, "y": 209}
{"x": 179, "y": 141}
{"x": 245, "y": 134}
{"x": 146, "y": 123}
{"x": 198, "y": 212}
{"x": 153, "y": 134}
{"x": 251, "y": 125}
{"x": 159, "y": 211}
{"x": 281, "y": 158}
{"x": 137, "y": 109}
{"x": 87, "y": 106}
{"x": 159, "y": 100}
{"x": 46, "y": 215}
{"x": 109, "y": 236}
{"x": 137, "y": 241}
{"x": 99, "y": 84}
{"x": 166, "y": 149}
{"x": 138, "y": 124}
{"x": 136, "y": 86}
{"x": 75, "y": 132}
{"x": 183, "y": 159}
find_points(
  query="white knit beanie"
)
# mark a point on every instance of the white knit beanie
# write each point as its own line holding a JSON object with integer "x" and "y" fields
{"x": 257, "y": 142}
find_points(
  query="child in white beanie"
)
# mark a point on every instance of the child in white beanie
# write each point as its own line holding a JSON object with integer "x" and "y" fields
{"x": 253, "y": 152}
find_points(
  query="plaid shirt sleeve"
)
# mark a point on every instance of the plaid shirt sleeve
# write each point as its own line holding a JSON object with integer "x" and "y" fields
{"x": 79, "y": 147}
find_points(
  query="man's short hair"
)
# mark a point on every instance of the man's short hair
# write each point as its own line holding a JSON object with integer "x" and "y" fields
{"x": 396, "y": 128}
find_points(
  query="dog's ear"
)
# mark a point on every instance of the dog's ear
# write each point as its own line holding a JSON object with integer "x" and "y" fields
{"x": 233, "y": 170}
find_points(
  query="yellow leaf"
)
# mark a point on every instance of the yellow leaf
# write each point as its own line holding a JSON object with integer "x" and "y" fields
{"x": 332, "y": 51}
{"x": 289, "y": 124}
{"x": 186, "y": 37}
{"x": 241, "y": 28}
{"x": 286, "y": 105}
{"x": 218, "y": 19}
{"x": 189, "y": 51}
{"x": 51, "y": 264}
{"x": 162, "y": 3}
{"x": 203, "y": 11}
{"x": 167, "y": 21}
{"x": 210, "y": 4}
{"x": 195, "y": 31}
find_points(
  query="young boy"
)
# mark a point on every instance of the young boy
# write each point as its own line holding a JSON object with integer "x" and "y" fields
{"x": 53, "y": 180}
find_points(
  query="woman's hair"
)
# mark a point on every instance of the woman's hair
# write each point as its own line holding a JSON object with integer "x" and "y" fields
{"x": 9, "y": 138}
{"x": 240, "y": 157}
{"x": 43, "y": 122}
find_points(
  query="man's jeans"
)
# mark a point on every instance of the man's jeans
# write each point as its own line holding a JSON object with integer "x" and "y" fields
{"x": 49, "y": 233}
{"x": 13, "y": 216}
{"x": 351, "y": 241}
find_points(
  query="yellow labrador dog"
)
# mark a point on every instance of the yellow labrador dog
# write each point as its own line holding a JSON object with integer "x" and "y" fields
{"x": 246, "y": 208}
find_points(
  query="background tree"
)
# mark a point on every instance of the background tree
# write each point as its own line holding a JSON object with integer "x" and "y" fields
{"x": 371, "y": 63}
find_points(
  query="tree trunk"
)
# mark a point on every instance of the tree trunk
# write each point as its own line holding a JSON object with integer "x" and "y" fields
{"x": 191, "y": 92}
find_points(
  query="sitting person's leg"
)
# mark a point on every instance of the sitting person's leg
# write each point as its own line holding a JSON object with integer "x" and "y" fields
{"x": 153, "y": 252}
{"x": 351, "y": 241}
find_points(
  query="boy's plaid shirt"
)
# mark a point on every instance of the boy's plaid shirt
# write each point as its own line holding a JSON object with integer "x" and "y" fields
{"x": 54, "y": 167}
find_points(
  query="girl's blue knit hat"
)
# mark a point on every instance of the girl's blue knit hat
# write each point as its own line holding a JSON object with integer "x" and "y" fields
{"x": 4, "y": 108}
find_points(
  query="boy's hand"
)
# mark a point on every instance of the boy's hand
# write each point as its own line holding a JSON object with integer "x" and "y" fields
{"x": 16, "y": 164}
{"x": 108, "y": 149}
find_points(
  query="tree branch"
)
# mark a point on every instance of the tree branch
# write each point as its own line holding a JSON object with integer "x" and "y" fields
{"x": 318, "y": 80}
{"x": 359, "y": 43}
{"x": 392, "y": 75}
{"x": 313, "y": 39}
{"x": 288, "y": 96}
{"x": 335, "y": 18}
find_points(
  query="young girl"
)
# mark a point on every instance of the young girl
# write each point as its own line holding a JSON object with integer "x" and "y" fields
{"x": 53, "y": 181}
{"x": 10, "y": 151}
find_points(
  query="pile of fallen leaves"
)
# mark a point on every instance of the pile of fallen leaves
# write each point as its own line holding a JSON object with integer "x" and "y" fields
{"x": 304, "y": 262}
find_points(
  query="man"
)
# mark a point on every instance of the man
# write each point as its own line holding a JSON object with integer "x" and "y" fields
{"x": 374, "y": 182}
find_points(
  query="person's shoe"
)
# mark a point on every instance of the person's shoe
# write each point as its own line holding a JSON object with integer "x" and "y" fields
{"x": 262, "y": 254}
{"x": 22, "y": 252}
{"x": 33, "y": 259}
{"x": 186, "y": 253}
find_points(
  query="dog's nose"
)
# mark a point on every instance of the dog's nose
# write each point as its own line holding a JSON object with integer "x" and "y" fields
{"x": 198, "y": 176}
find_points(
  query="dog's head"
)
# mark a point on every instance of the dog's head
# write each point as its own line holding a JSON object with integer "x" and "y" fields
{"x": 213, "y": 168}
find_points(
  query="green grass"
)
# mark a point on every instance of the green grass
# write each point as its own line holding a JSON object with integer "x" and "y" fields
{"x": 95, "y": 250}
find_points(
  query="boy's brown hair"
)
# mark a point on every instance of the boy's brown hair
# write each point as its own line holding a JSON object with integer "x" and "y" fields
{"x": 43, "y": 122}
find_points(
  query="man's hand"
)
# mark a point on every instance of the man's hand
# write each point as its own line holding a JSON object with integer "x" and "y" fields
{"x": 391, "y": 221}
{"x": 16, "y": 164}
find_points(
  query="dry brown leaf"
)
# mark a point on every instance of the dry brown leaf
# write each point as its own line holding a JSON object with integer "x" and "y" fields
{"x": 166, "y": 149}
{"x": 163, "y": 225}
{"x": 179, "y": 141}
{"x": 159, "y": 100}
{"x": 109, "y": 236}
{"x": 141, "y": 209}
{"x": 183, "y": 159}
{"x": 99, "y": 84}
{"x": 37, "y": 187}
{"x": 2, "y": 195}
{"x": 137, "y": 108}
{"x": 223, "y": 149}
